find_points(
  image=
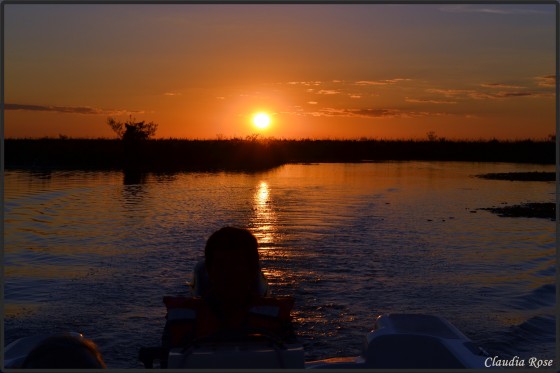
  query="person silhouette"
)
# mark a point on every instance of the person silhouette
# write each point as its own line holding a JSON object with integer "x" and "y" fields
{"x": 233, "y": 303}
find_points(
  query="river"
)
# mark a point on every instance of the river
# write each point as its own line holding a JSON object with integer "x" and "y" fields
{"x": 94, "y": 252}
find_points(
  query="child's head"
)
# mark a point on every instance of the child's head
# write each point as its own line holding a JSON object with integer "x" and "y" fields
{"x": 232, "y": 262}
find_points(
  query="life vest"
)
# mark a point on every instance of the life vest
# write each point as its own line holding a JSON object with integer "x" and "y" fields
{"x": 191, "y": 318}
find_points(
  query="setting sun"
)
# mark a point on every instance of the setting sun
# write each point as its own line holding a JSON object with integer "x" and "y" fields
{"x": 261, "y": 120}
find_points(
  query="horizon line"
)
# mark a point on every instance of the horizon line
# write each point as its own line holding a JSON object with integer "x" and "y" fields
{"x": 258, "y": 138}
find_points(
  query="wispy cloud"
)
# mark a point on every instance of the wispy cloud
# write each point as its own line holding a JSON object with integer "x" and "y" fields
{"x": 392, "y": 113}
{"x": 352, "y": 89}
{"x": 371, "y": 82}
{"x": 85, "y": 110}
{"x": 501, "y": 95}
{"x": 500, "y": 86}
{"x": 377, "y": 113}
{"x": 487, "y": 94}
{"x": 172, "y": 94}
{"x": 306, "y": 83}
{"x": 381, "y": 82}
{"x": 504, "y": 9}
{"x": 450, "y": 92}
{"x": 428, "y": 101}
{"x": 386, "y": 113}
{"x": 328, "y": 92}
{"x": 546, "y": 81}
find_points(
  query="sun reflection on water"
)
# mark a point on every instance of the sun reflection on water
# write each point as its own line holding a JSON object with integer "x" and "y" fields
{"x": 267, "y": 229}
{"x": 265, "y": 220}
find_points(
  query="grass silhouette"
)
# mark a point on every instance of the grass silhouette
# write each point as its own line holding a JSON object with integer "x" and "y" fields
{"x": 253, "y": 154}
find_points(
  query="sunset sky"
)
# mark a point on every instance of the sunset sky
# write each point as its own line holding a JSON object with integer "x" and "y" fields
{"x": 318, "y": 70}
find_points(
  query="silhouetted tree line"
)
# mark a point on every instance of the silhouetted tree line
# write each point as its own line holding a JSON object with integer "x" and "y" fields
{"x": 252, "y": 154}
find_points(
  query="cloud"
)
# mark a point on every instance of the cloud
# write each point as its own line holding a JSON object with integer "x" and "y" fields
{"x": 546, "y": 81}
{"x": 85, "y": 110}
{"x": 504, "y": 10}
{"x": 392, "y": 113}
{"x": 450, "y": 92}
{"x": 488, "y": 94}
{"x": 312, "y": 102}
{"x": 376, "y": 113}
{"x": 500, "y": 95}
{"x": 370, "y": 82}
{"x": 328, "y": 92}
{"x": 355, "y": 96}
{"x": 500, "y": 86}
{"x": 515, "y": 94}
{"x": 427, "y": 101}
{"x": 309, "y": 83}
{"x": 381, "y": 82}
{"x": 172, "y": 94}
{"x": 367, "y": 113}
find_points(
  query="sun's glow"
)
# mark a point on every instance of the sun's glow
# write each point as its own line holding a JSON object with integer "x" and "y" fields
{"x": 261, "y": 120}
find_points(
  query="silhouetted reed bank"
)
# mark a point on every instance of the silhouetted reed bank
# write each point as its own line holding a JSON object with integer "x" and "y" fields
{"x": 520, "y": 176}
{"x": 256, "y": 154}
{"x": 540, "y": 210}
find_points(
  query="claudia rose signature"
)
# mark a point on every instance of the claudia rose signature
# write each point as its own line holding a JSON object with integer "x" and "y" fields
{"x": 516, "y": 361}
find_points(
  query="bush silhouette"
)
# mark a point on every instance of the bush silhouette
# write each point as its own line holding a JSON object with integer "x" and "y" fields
{"x": 132, "y": 131}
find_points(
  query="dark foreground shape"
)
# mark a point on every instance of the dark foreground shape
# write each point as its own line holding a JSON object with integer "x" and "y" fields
{"x": 397, "y": 341}
{"x": 545, "y": 210}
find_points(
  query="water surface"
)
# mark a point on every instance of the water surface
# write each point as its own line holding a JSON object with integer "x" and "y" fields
{"x": 95, "y": 252}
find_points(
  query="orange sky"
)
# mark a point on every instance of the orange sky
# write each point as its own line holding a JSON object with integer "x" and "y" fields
{"x": 319, "y": 71}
